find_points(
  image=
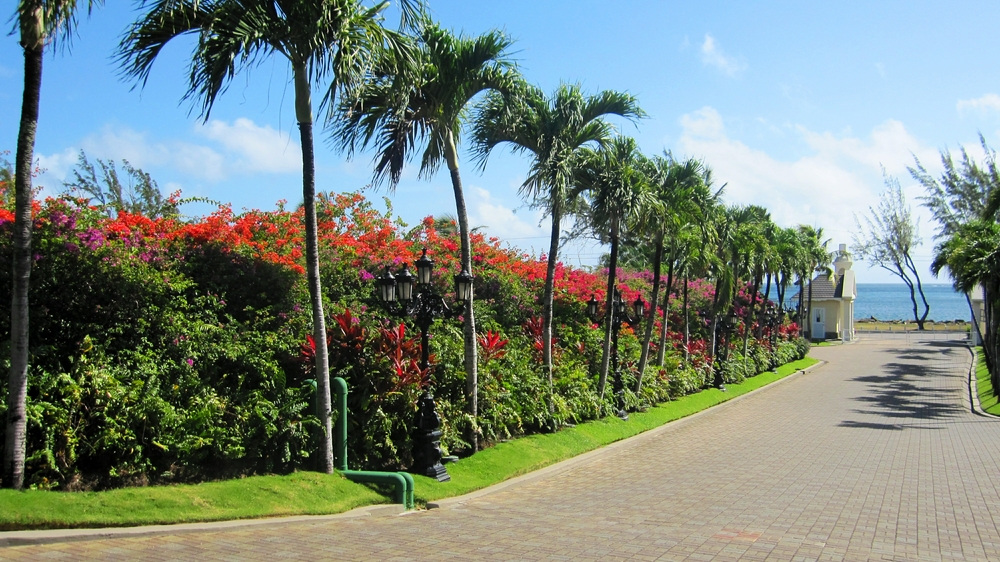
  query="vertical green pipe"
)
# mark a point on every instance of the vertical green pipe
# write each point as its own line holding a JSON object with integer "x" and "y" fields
{"x": 340, "y": 431}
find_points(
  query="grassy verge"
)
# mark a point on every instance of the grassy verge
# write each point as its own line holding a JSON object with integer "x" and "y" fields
{"x": 984, "y": 387}
{"x": 302, "y": 493}
{"x": 307, "y": 493}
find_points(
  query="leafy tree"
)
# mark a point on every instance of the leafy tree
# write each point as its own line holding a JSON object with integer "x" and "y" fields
{"x": 965, "y": 201}
{"x": 887, "y": 238}
{"x": 401, "y": 107}
{"x": 41, "y": 23}
{"x": 670, "y": 226}
{"x": 553, "y": 129}
{"x": 323, "y": 40}
{"x": 139, "y": 195}
{"x": 616, "y": 180}
{"x": 972, "y": 255}
{"x": 966, "y": 190}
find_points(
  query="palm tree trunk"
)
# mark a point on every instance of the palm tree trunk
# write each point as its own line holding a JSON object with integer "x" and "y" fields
{"x": 548, "y": 295}
{"x": 609, "y": 304}
{"x": 811, "y": 335}
{"x": 653, "y": 301}
{"x": 751, "y": 315}
{"x": 324, "y": 405}
{"x": 469, "y": 326}
{"x": 763, "y": 305}
{"x": 687, "y": 328}
{"x": 17, "y": 382}
{"x": 661, "y": 352}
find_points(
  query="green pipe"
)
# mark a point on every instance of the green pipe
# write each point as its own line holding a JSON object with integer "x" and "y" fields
{"x": 402, "y": 481}
{"x": 339, "y": 388}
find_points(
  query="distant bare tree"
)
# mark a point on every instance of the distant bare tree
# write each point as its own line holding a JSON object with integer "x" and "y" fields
{"x": 887, "y": 238}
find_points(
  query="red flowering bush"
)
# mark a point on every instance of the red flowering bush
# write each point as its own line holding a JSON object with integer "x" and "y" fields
{"x": 169, "y": 350}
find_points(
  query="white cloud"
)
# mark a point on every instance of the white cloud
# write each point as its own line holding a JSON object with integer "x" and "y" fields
{"x": 233, "y": 149}
{"x": 984, "y": 104}
{"x": 712, "y": 55}
{"x": 254, "y": 148}
{"x": 890, "y": 145}
{"x": 825, "y": 188}
{"x": 504, "y": 222}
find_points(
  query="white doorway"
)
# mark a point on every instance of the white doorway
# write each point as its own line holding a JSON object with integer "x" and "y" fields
{"x": 818, "y": 323}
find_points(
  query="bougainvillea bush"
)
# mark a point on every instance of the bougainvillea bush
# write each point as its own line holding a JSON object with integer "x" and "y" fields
{"x": 167, "y": 350}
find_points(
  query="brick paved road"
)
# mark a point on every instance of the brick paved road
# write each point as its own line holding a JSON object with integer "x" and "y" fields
{"x": 874, "y": 456}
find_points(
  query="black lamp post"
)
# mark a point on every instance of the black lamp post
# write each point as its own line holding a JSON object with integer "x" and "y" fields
{"x": 724, "y": 329}
{"x": 773, "y": 322}
{"x": 424, "y": 305}
{"x": 619, "y": 314}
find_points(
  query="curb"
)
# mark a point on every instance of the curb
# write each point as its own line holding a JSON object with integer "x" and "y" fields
{"x": 25, "y": 538}
{"x": 606, "y": 450}
{"x": 977, "y": 406}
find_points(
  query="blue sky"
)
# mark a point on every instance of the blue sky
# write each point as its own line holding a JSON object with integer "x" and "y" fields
{"x": 796, "y": 106}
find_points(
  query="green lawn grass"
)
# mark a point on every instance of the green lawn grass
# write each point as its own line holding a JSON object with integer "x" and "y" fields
{"x": 984, "y": 387}
{"x": 301, "y": 493}
{"x": 308, "y": 493}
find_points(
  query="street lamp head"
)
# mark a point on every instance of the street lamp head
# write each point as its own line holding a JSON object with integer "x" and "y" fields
{"x": 638, "y": 307}
{"x": 463, "y": 286}
{"x": 404, "y": 282}
{"x": 386, "y": 286}
{"x": 425, "y": 266}
{"x": 592, "y": 307}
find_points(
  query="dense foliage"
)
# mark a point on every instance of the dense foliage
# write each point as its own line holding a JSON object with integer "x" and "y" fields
{"x": 168, "y": 350}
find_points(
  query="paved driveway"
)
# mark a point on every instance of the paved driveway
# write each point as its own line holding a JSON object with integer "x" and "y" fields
{"x": 874, "y": 456}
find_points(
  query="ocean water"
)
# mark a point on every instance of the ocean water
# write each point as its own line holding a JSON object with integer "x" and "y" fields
{"x": 891, "y": 301}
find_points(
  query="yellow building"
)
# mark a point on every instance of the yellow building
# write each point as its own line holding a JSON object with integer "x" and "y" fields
{"x": 833, "y": 300}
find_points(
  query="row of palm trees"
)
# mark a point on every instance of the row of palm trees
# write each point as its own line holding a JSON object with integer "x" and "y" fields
{"x": 420, "y": 87}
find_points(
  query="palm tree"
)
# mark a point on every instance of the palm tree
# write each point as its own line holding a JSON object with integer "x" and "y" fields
{"x": 553, "y": 130}
{"x": 674, "y": 187}
{"x": 616, "y": 179}
{"x": 402, "y": 107}
{"x": 323, "y": 40}
{"x": 788, "y": 249}
{"x": 40, "y": 22}
{"x": 817, "y": 258}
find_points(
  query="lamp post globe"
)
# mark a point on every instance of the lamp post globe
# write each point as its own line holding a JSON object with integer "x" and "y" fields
{"x": 592, "y": 307}
{"x": 638, "y": 307}
{"x": 386, "y": 287}
{"x": 404, "y": 284}
{"x": 425, "y": 266}
{"x": 463, "y": 286}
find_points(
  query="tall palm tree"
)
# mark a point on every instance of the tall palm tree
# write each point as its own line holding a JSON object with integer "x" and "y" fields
{"x": 674, "y": 188}
{"x": 553, "y": 129}
{"x": 323, "y": 40}
{"x": 788, "y": 249}
{"x": 41, "y": 23}
{"x": 616, "y": 179}
{"x": 399, "y": 108}
{"x": 817, "y": 259}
